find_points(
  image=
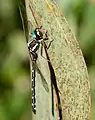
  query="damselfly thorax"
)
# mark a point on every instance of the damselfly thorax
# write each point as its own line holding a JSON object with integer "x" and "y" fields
{"x": 38, "y": 35}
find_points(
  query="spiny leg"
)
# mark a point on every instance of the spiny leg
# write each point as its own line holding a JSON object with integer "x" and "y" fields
{"x": 42, "y": 52}
{"x": 46, "y": 39}
{"x": 49, "y": 44}
{"x": 46, "y": 47}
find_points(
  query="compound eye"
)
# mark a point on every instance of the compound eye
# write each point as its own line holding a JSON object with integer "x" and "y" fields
{"x": 33, "y": 34}
{"x": 37, "y": 31}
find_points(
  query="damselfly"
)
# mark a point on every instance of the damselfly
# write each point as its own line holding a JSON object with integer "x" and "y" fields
{"x": 37, "y": 39}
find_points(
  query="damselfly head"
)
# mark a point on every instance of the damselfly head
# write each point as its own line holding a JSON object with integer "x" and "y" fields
{"x": 37, "y": 34}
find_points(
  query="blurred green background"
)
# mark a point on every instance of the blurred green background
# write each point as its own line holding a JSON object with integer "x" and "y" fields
{"x": 15, "y": 102}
